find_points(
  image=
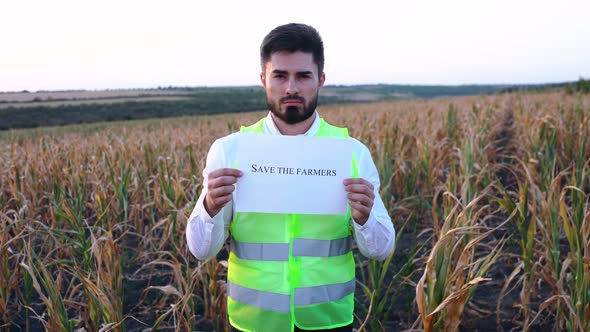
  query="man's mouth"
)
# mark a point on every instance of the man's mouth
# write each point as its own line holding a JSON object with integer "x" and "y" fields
{"x": 292, "y": 101}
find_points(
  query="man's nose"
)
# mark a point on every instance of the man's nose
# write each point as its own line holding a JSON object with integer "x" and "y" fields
{"x": 292, "y": 87}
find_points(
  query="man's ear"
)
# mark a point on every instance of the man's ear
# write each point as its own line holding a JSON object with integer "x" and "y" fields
{"x": 322, "y": 79}
{"x": 263, "y": 79}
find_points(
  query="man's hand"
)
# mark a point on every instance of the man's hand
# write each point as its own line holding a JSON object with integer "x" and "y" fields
{"x": 360, "y": 197}
{"x": 220, "y": 186}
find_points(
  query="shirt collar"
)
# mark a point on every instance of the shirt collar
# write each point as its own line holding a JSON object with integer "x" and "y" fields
{"x": 269, "y": 126}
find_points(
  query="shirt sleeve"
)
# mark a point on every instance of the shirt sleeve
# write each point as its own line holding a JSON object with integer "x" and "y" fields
{"x": 376, "y": 238}
{"x": 206, "y": 235}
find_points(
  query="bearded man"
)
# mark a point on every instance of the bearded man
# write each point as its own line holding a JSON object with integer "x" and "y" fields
{"x": 290, "y": 272}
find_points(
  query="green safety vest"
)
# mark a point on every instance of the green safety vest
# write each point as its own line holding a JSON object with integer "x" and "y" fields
{"x": 291, "y": 269}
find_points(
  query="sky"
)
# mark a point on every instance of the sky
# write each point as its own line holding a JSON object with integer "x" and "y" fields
{"x": 64, "y": 45}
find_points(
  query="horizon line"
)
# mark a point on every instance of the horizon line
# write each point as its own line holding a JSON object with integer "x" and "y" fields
{"x": 174, "y": 87}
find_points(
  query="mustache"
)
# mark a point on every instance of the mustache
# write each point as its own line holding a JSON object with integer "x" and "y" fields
{"x": 292, "y": 98}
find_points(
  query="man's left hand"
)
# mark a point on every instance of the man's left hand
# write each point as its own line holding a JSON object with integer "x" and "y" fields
{"x": 360, "y": 197}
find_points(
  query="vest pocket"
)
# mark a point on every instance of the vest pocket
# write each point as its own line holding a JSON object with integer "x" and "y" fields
{"x": 325, "y": 315}
{"x": 266, "y": 276}
{"x": 249, "y": 318}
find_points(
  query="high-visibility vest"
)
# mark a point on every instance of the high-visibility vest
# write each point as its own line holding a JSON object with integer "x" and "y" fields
{"x": 291, "y": 269}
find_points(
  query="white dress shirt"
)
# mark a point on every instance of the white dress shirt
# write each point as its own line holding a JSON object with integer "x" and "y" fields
{"x": 206, "y": 235}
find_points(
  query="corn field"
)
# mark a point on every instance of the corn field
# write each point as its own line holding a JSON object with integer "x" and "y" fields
{"x": 489, "y": 196}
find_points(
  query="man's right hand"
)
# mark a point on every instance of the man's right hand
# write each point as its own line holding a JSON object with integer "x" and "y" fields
{"x": 220, "y": 186}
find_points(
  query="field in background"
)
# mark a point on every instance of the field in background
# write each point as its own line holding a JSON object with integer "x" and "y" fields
{"x": 352, "y": 93}
{"x": 25, "y": 97}
{"x": 39, "y": 109}
{"x": 489, "y": 195}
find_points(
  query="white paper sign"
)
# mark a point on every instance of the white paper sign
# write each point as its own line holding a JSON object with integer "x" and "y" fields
{"x": 292, "y": 174}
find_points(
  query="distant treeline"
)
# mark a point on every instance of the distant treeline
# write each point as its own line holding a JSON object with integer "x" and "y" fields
{"x": 218, "y": 101}
{"x": 398, "y": 91}
{"x": 581, "y": 86}
{"x": 225, "y": 100}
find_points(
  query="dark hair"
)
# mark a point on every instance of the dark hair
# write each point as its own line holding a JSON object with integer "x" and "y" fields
{"x": 293, "y": 37}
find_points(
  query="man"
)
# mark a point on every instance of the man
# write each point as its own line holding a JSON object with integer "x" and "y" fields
{"x": 290, "y": 272}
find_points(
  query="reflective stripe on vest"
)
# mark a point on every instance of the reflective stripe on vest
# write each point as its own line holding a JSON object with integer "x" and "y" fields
{"x": 263, "y": 300}
{"x": 301, "y": 247}
{"x": 323, "y": 293}
{"x": 321, "y": 248}
{"x": 281, "y": 303}
{"x": 278, "y": 252}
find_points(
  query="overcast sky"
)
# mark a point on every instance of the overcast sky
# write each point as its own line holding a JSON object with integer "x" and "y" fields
{"x": 54, "y": 45}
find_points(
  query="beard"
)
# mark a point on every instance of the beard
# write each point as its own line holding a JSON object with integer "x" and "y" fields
{"x": 293, "y": 114}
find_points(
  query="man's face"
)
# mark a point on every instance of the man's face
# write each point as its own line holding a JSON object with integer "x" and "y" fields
{"x": 292, "y": 83}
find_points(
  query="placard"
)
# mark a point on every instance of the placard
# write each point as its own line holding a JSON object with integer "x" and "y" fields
{"x": 292, "y": 174}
